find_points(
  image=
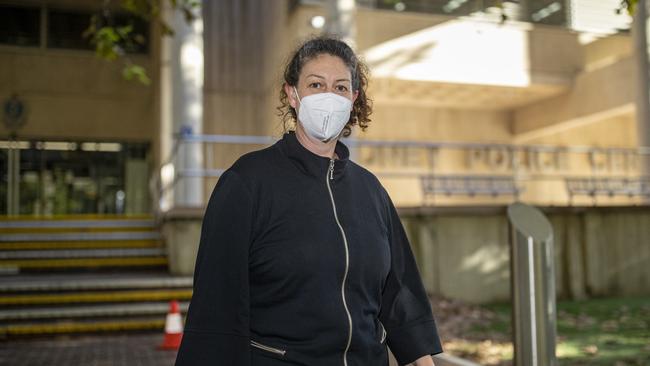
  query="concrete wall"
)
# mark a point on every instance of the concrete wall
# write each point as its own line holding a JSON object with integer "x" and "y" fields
{"x": 462, "y": 256}
{"x": 181, "y": 231}
{"x": 74, "y": 94}
{"x": 602, "y": 93}
{"x": 464, "y": 253}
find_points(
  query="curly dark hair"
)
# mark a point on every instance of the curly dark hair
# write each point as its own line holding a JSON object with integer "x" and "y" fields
{"x": 312, "y": 48}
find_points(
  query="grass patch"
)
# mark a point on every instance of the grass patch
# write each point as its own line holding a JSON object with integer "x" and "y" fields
{"x": 612, "y": 331}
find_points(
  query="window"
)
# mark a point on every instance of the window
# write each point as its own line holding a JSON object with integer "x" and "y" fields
{"x": 66, "y": 28}
{"x": 20, "y": 26}
{"x": 140, "y": 30}
{"x": 77, "y": 177}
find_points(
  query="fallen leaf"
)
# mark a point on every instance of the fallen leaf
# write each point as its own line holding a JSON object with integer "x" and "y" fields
{"x": 591, "y": 349}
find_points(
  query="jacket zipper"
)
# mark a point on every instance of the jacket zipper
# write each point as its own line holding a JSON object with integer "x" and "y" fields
{"x": 328, "y": 177}
{"x": 267, "y": 348}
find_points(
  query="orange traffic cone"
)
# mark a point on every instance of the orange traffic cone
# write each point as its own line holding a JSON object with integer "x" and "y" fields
{"x": 173, "y": 327}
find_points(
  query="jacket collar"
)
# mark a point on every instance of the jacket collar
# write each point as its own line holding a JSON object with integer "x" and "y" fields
{"x": 310, "y": 163}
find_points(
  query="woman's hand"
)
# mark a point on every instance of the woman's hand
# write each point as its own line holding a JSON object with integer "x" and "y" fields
{"x": 424, "y": 361}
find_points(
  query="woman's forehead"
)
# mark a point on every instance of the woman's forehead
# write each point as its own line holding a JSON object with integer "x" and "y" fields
{"x": 326, "y": 66}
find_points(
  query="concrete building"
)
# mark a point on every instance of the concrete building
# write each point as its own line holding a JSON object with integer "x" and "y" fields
{"x": 474, "y": 107}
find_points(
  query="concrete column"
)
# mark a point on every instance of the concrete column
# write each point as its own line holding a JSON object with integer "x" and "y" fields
{"x": 428, "y": 254}
{"x": 639, "y": 31}
{"x": 575, "y": 253}
{"x": 341, "y": 20}
{"x": 182, "y": 105}
{"x": 13, "y": 183}
{"x": 245, "y": 43}
{"x": 136, "y": 173}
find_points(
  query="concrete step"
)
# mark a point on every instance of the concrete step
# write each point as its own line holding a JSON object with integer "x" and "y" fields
{"x": 85, "y": 297}
{"x": 41, "y": 305}
{"x": 81, "y": 244}
{"x": 89, "y": 311}
{"x": 90, "y": 282}
{"x": 19, "y": 230}
{"x": 84, "y": 274}
{"x": 7, "y": 223}
{"x": 15, "y": 266}
{"x": 82, "y": 326}
{"x": 78, "y": 236}
{"x": 82, "y": 253}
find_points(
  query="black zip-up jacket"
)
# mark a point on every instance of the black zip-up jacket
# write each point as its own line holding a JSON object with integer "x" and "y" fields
{"x": 303, "y": 260}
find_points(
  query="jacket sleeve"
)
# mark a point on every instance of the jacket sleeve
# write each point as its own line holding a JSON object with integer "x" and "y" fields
{"x": 405, "y": 310}
{"x": 217, "y": 322}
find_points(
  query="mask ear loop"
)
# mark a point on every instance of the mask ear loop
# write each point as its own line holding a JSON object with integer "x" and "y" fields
{"x": 297, "y": 96}
{"x": 299, "y": 101}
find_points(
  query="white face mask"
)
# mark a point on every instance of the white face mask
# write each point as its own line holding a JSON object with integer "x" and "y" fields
{"x": 323, "y": 115}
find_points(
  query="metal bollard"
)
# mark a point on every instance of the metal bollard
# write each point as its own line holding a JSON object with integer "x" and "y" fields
{"x": 533, "y": 286}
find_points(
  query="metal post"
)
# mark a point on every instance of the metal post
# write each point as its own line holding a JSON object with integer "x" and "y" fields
{"x": 16, "y": 180}
{"x": 533, "y": 286}
{"x": 10, "y": 181}
{"x": 13, "y": 178}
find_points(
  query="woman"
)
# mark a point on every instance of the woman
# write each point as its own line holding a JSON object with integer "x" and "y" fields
{"x": 302, "y": 257}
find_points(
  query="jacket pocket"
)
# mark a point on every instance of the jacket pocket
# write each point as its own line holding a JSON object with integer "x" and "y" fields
{"x": 274, "y": 350}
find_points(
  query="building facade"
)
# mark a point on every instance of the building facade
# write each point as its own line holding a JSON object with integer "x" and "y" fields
{"x": 475, "y": 106}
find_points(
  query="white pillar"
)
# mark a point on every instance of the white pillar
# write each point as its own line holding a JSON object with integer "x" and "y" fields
{"x": 182, "y": 106}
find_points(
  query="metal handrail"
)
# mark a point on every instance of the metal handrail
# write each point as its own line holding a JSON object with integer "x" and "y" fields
{"x": 352, "y": 142}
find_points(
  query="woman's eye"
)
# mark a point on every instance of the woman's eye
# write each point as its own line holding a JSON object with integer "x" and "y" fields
{"x": 341, "y": 88}
{"x": 315, "y": 85}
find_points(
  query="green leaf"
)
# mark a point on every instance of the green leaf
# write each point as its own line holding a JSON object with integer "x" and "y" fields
{"x": 132, "y": 71}
{"x": 112, "y": 42}
{"x": 124, "y": 31}
{"x": 166, "y": 29}
{"x": 189, "y": 15}
{"x": 630, "y": 5}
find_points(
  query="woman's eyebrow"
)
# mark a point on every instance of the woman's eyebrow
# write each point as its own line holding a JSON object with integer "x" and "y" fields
{"x": 322, "y": 77}
{"x": 318, "y": 76}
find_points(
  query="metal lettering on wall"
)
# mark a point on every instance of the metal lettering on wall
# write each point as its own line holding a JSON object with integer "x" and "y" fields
{"x": 540, "y": 174}
{"x": 502, "y": 159}
{"x": 398, "y": 156}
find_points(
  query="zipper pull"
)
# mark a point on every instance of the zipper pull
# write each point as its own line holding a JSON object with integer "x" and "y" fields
{"x": 331, "y": 169}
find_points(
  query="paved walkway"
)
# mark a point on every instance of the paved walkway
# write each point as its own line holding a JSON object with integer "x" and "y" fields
{"x": 109, "y": 350}
{"x": 94, "y": 350}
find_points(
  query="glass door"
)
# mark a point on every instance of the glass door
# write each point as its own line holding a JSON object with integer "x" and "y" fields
{"x": 60, "y": 178}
